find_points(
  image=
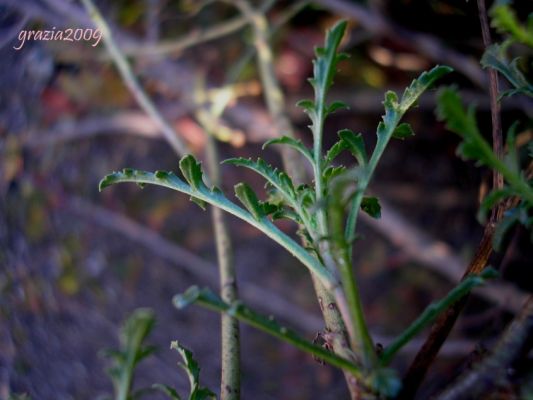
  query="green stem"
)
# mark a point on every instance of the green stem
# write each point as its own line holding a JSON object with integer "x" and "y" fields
{"x": 433, "y": 311}
{"x": 207, "y": 299}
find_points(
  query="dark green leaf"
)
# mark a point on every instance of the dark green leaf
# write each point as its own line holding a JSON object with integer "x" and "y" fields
{"x": 192, "y": 172}
{"x": 168, "y": 390}
{"x": 190, "y": 366}
{"x": 462, "y": 122}
{"x": 334, "y": 151}
{"x": 371, "y": 206}
{"x": 294, "y": 143}
{"x": 337, "y": 105}
{"x": 307, "y": 105}
{"x": 278, "y": 179}
{"x": 356, "y": 144}
{"x": 403, "y": 131}
{"x": 325, "y": 64}
{"x": 421, "y": 84}
{"x": 494, "y": 57}
{"x": 249, "y": 199}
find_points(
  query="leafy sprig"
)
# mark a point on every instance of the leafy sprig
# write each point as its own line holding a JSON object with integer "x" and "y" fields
{"x": 474, "y": 147}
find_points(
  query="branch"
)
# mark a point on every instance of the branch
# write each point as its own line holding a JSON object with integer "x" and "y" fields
{"x": 131, "y": 81}
{"x": 257, "y": 296}
{"x": 490, "y": 373}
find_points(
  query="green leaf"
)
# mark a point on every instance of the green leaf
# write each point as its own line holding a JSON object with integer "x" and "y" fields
{"x": 325, "y": 64}
{"x": 249, "y": 199}
{"x": 168, "y": 390}
{"x": 504, "y": 20}
{"x": 494, "y": 57}
{"x": 421, "y": 84}
{"x": 403, "y": 131}
{"x": 371, "y": 206}
{"x": 337, "y": 105}
{"x": 208, "y": 299}
{"x": 294, "y": 143}
{"x": 356, "y": 144}
{"x": 190, "y": 366}
{"x": 333, "y": 152}
{"x": 133, "y": 333}
{"x": 216, "y": 198}
{"x": 307, "y": 105}
{"x": 278, "y": 179}
{"x": 491, "y": 200}
{"x": 463, "y": 122}
{"x": 192, "y": 172}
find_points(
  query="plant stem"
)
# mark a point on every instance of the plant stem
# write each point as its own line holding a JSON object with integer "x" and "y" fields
{"x": 230, "y": 335}
{"x": 432, "y": 312}
{"x": 230, "y": 382}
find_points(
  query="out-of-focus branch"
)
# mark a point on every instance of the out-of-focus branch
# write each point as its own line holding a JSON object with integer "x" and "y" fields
{"x": 131, "y": 81}
{"x": 492, "y": 371}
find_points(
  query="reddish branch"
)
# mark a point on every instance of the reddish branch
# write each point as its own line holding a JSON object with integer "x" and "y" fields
{"x": 445, "y": 323}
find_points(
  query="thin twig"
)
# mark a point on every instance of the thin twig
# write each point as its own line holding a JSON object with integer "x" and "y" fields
{"x": 230, "y": 335}
{"x": 230, "y": 389}
{"x": 492, "y": 372}
{"x": 131, "y": 81}
{"x": 331, "y": 309}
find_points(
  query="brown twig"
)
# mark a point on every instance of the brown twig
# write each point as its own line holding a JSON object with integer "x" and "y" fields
{"x": 445, "y": 323}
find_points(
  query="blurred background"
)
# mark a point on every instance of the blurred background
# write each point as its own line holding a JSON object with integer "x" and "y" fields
{"x": 74, "y": 262}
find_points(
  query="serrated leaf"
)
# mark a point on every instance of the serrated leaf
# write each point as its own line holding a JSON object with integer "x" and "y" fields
{"x": 336, "y": 106}
{"x": 505, "y": 21}
{"x": 356, "y": 144}
{"x": 421, "y": 84}
{"x": 334, "y": 151}
{"x": 200, "y": 203}
{"x": 403, "y": 131}
{"x": 206, "y": 298}
{"x": 325, "y": 64}
{"x": 217, "y": 199}
{"x": 190, "y": 366}
{"x": 371, "y": 206}
{"x": 331, "y": 172}
{"x": 168, "y": 390}
{"x": 463, "y": 122}
{"x": 192, "y": 172}
{"x": 133, "y": 333}
{"x": 307, "y": 105}
{"x": 278, "y": 179}
{"x": 494, "y": 57}
{"x": 294, "y": 143}
{"x": 249, "y": 199}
